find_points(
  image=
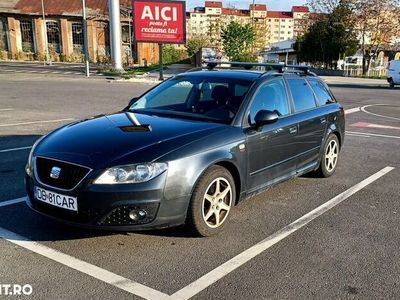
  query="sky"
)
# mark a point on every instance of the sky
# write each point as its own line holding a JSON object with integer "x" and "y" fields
{"x": 271, "y": 4}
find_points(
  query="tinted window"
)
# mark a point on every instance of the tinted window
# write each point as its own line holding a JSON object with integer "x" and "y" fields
{"x": 303, "y": 96}
{"x": 177, "y": 93}
{"x": 320, "y": 90}
{"x": 270, "y": 96}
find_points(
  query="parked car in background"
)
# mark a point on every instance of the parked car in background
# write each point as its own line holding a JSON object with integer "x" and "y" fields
{"x": 394, "y": 73}
{"x": 188, "y": 150}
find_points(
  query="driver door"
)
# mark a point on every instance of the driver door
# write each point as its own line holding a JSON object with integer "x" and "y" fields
{"x": 271, "y": 148}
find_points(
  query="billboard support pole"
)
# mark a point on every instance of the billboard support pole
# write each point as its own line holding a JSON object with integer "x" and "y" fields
{"x": 160, "y": 47}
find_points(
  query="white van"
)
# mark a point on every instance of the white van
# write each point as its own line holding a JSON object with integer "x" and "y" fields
{"x": 394, "y": 73}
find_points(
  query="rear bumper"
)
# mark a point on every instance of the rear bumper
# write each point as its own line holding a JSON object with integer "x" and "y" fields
{"x": 108, "y": 207}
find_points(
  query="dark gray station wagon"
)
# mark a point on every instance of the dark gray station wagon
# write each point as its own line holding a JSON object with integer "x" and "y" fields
{"x": 187, "y": 151}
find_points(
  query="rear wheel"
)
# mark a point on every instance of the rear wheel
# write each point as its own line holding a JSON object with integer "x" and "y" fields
{"x": 212, "y": 201}
{"x": 329, "y": 157}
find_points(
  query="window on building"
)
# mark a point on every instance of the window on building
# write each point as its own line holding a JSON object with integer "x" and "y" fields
{"x": 125, "y": 34}
{"x": 302, "y": 94}
{"x": 3, "y": 34}
{"x": 27, "y": 36}
{"x": 53, "y": 36}
{"x": 77, "y": 37}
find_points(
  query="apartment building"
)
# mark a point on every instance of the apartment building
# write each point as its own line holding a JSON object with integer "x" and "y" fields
{"x": 271, "y": 26}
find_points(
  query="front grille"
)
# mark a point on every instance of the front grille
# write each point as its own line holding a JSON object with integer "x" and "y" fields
{"x": 69, "y": 176}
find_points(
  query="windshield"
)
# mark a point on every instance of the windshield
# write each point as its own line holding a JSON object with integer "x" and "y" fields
{"x": 199, "y": 97}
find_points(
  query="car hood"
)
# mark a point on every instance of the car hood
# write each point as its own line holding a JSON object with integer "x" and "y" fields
{"x": 122, "y": 138}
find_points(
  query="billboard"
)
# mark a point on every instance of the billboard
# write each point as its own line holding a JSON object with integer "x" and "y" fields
{"x": 159, "y": 21}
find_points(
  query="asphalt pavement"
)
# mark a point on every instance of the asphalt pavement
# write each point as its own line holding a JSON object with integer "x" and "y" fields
{"x": 306, "y": 238}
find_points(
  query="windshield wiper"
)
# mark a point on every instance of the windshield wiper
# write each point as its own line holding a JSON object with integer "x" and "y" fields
{"x": 178, "y": 114}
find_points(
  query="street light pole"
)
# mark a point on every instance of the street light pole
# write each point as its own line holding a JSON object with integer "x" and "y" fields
{"x": 45, "y": 36}
{"x": 85, "y": 39}
{"x": 115, "y": 33}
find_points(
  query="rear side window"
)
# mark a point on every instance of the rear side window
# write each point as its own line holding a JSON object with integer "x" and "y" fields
{"x": 303, "y": 96}
{"x": 323, "y": 95}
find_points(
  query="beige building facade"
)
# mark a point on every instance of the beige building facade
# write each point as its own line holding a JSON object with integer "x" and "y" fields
{"x": 271, "y": 26}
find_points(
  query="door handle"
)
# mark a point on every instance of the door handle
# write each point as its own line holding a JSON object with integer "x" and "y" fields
{"x": 323, "y": 120}
{"x": 293, "y": 130}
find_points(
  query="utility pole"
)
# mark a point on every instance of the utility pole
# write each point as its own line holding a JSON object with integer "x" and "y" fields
{"x": 45, "y": 36}
{"x": 85, "y": 39}
{"x": 115, "y": 34}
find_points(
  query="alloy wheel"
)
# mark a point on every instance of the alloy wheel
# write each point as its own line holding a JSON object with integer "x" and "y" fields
{"x": 217, "y": 202}
{"x": 331, "y": 155}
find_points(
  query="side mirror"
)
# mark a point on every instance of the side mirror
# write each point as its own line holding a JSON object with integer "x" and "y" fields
{"x": 133, "y": 100}
{"x": 265, "y": 117}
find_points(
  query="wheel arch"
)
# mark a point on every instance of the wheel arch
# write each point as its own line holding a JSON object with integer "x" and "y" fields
{"x": 234, "y": 171}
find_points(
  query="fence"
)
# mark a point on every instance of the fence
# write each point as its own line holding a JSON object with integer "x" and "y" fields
{"x": 359, "y": 73}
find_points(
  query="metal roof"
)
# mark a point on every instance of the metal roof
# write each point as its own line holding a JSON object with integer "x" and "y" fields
{"x": 58, "y": 7}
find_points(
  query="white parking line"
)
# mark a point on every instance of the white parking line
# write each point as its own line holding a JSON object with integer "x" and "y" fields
{"x": 352, "y": 110}
{"x": 372, "y": 134}
{"x": 83, "y": 267}
{"x": 6, "y": 109}
{"x": 377, "y": 115}
{"x": 36, "y": 122}
{"x": 203, "y": 282}
{"x": 15, "y": 149}
{"x": 357, "y": 135}
{"x": 12, "y": 202}
{"x": 234, "y": 263}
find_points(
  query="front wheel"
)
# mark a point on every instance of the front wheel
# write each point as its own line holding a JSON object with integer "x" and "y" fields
{"x": 391, "y": 83}
{"x": 329, "y": 157}
{"x": 212, "y": 201}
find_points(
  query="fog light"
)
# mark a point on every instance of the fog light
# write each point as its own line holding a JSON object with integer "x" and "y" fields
{"x": 142, "y": 214}
{"x": 133, "y": 215}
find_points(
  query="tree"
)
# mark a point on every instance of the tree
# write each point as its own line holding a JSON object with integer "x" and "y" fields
{"x": 376, "y": 23}
{"x": 377, "y": 26}
{"x": 331, "y": 37}
{"x": 237, "y": 41}
{"x": 194, "y": 45}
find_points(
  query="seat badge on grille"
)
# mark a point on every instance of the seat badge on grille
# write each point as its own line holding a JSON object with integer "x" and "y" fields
{"x": 55, "y": 172}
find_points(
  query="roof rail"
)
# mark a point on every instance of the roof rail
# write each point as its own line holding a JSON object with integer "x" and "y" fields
{"x": 302, "y": 69}
{"x": 211, "y": 65}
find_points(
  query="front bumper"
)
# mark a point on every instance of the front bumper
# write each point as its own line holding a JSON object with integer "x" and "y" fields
{"x": 108, "y": 206}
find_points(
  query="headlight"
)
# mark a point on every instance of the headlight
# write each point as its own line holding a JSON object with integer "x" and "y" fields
{"x": 29, "y": 165}
{"x": 131, "y": 173}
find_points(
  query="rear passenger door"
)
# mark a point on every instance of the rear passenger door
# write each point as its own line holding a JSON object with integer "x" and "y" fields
{"x": 312, "y": 124}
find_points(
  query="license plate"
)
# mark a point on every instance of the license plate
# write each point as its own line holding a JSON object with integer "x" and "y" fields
{"x": 55, "y": 199}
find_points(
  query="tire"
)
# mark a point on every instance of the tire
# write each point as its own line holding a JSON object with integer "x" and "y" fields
{"x": 391, "y": 83}
{"x": 329, "y": 157}
{"x": 208, "y": 215}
